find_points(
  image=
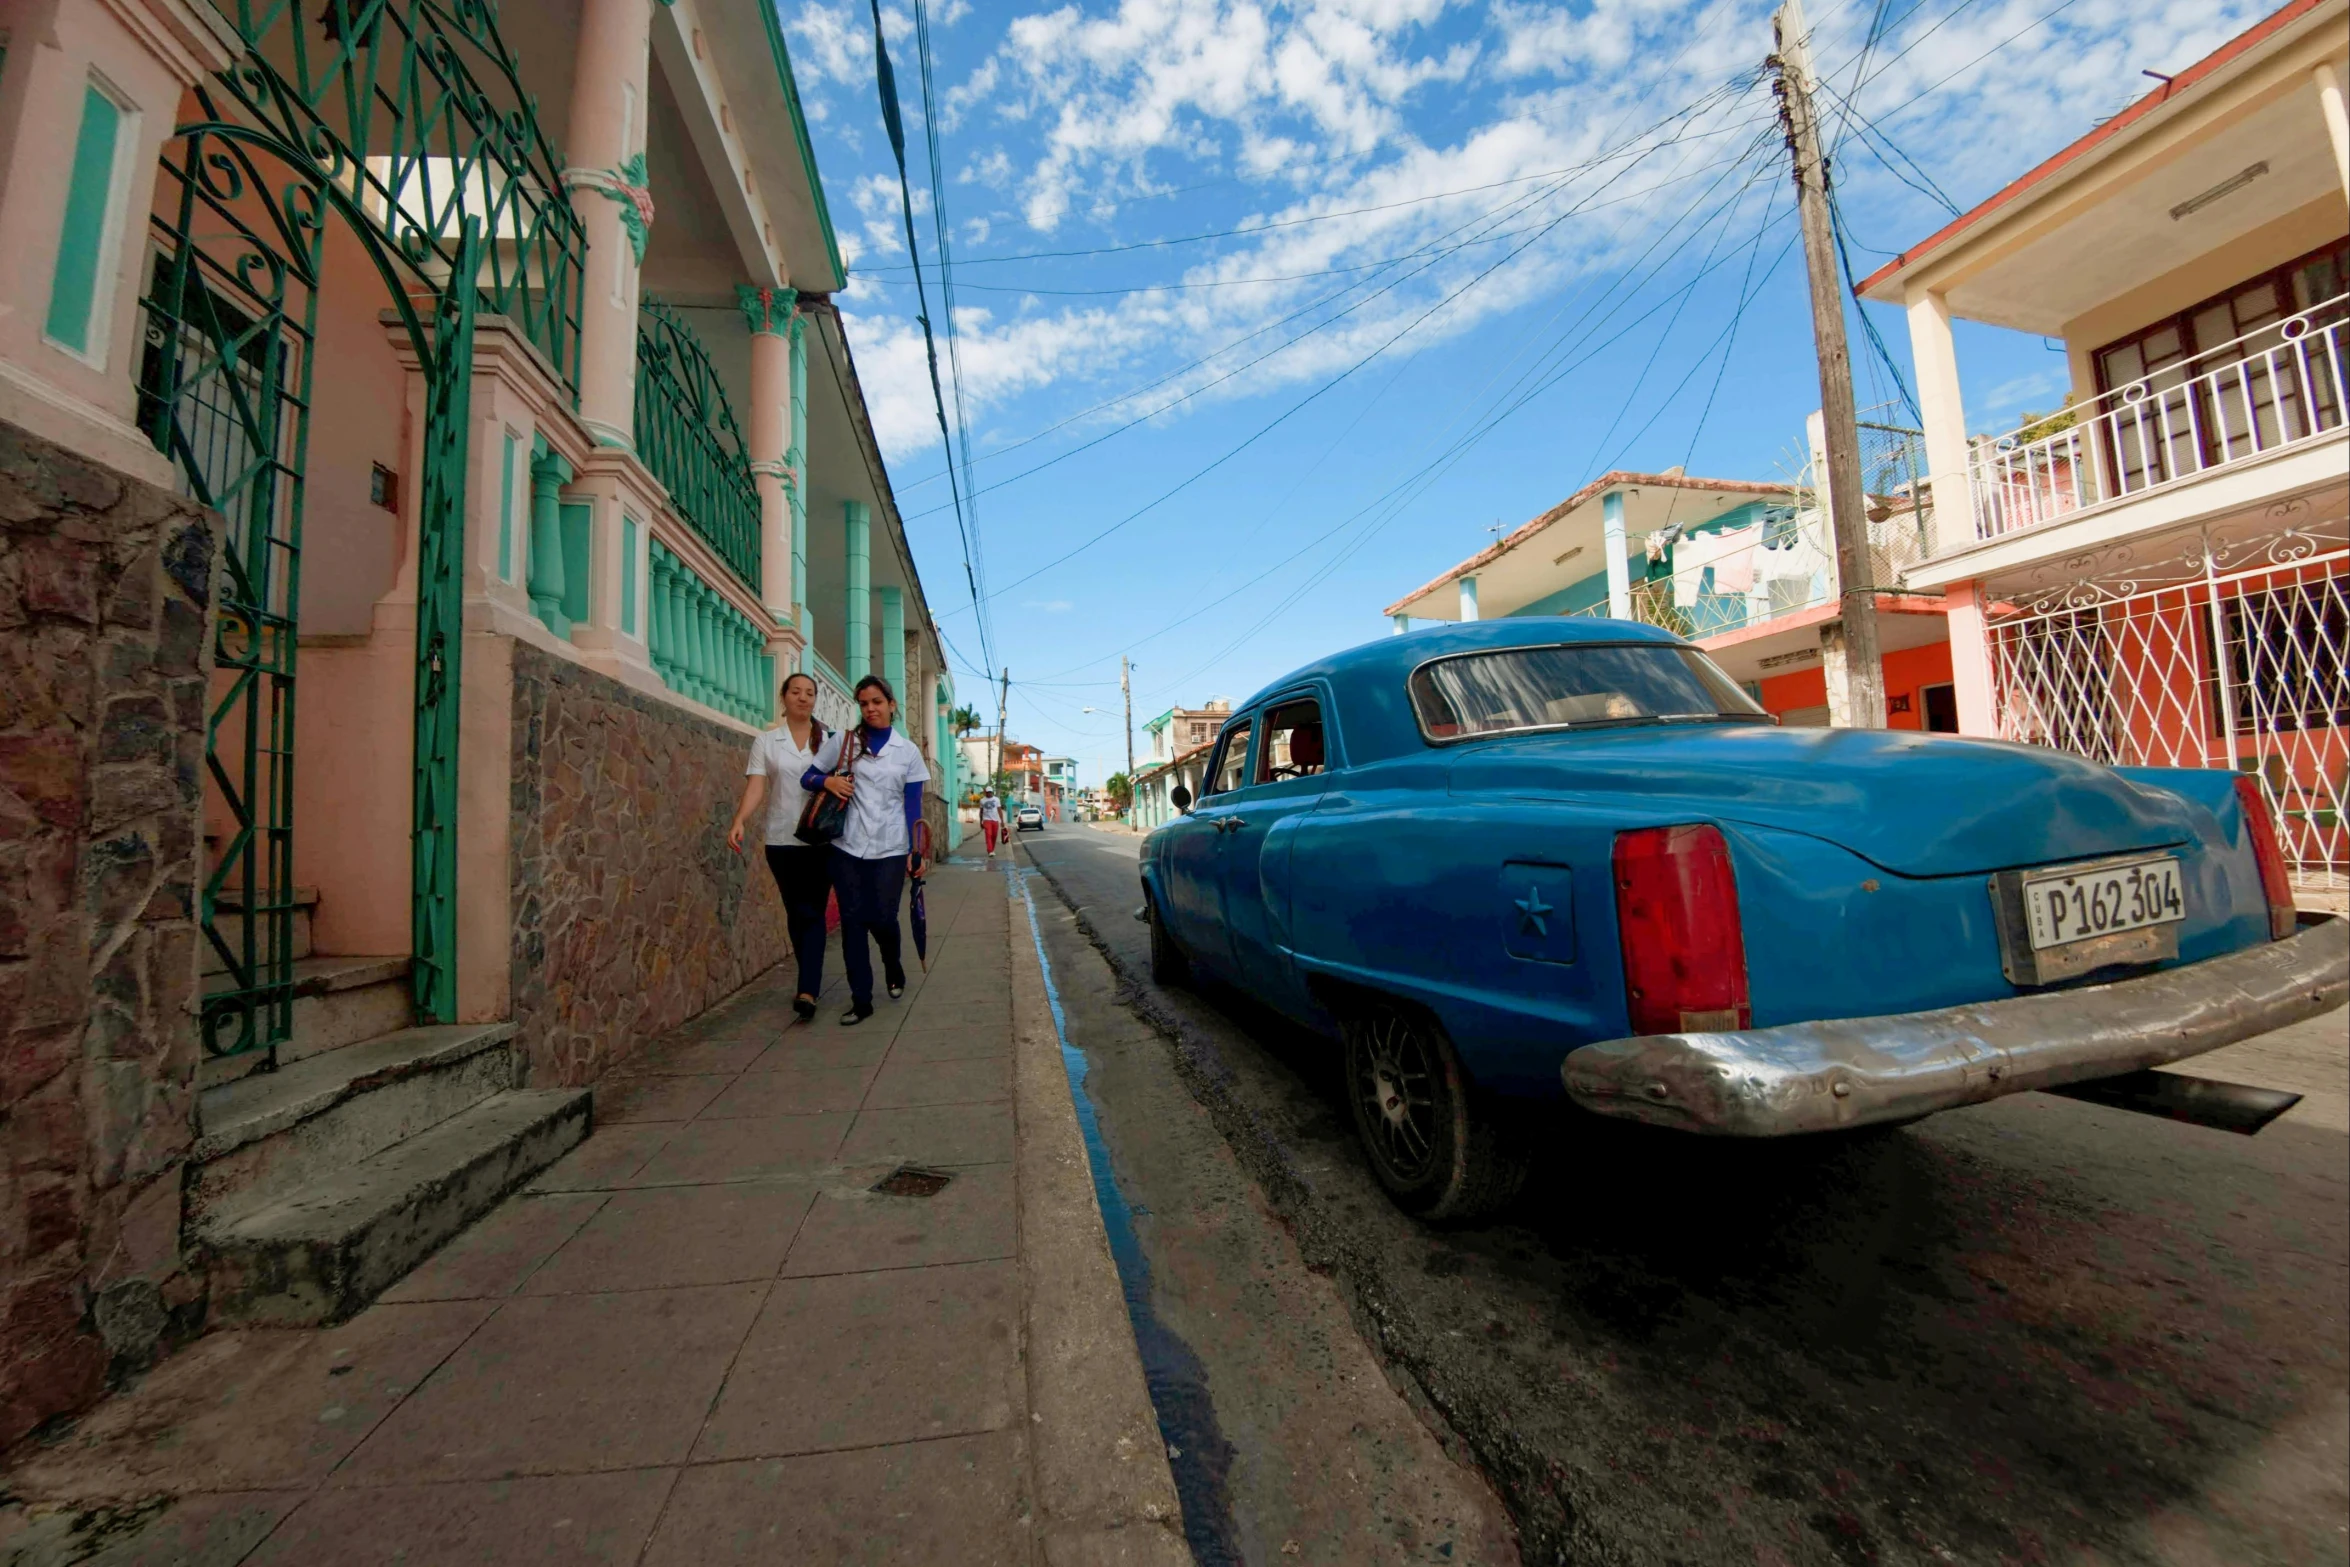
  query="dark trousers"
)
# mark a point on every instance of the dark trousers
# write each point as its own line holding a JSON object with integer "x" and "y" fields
{"x": 870, "y": 891}
{"x": 803, "y": 876}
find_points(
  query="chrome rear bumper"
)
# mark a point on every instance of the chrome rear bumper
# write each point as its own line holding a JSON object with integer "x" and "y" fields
{"x": 1817, "y": 1077}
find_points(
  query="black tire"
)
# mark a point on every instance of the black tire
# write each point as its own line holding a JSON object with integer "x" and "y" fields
{"x": 1432, "y": 1141}
{"x": 1170, "y": 964}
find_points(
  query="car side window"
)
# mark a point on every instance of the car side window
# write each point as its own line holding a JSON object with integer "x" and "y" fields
{"x": 1293, "y": 745}
{"x": 1232, "y": 760}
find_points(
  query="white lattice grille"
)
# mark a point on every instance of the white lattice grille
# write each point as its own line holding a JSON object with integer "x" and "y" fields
{"x": 2129, "y": 677}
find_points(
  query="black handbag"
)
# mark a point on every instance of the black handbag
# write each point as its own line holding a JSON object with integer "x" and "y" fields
{"x": 825, "y": 815}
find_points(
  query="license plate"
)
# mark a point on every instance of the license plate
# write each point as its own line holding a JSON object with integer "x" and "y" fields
{"x": 2081, "y": 904}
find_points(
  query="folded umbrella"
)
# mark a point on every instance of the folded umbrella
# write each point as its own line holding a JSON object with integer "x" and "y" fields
{"x": 920, "y": 906}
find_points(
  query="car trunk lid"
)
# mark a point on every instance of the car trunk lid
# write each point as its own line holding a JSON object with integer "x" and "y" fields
{"x": 1913, "y": 804}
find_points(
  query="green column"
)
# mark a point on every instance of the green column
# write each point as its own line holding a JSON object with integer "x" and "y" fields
{"x": 548, "y": 474}
{"x": 893, "y": 643}
{"x": 705, "y": 644}
{"x": 661, "y": 640}
{"x": 857, "y": 621}
{"x": 798, "y": 458}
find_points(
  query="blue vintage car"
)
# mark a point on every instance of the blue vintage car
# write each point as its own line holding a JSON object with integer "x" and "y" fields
{"x": 1520, "y": 859}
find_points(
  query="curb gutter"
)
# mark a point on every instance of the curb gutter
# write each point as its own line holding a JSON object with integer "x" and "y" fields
{"x": 1103, "y": 1491}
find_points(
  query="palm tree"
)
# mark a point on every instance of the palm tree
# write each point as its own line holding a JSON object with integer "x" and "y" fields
{"x": 963, "y": 720}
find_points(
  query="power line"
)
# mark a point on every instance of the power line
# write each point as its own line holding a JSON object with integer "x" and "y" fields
{"x": 886, "y": 83}
{"x": 1244, "y": 231}
{"x": 1294, "y": 408}
{"x": 974, "y": 558}
{"x": 1435, "y": 246}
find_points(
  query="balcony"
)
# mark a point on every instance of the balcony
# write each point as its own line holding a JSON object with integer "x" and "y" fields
{"x": 2279, "y": 387}
{"x": 687, "y": 436}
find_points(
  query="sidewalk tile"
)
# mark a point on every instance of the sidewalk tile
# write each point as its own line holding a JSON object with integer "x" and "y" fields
{"x": 609, "y": 1157}
{"x": 959, "y": 1043}
{"x": 803, "y": 1050}
{"x": 191, "y": 1531}
{"x": 497, "y": 1254}
{"x": 957, "y": 1503}
{"x": 971, "y": 1221}
{"x": 758, "y": 1095}
{"x": 864, "y": 1359}
{"x": 653, "y": 1097}
{"x": 252, "y": 1410}
{"x": 724, "y": 1056}
{"x": 562, "y": 1383}
{"x": 904, "y": 1083}
{"x": 746, "y": 1150}
{"x": 666, "y": 1237}
{"x": 932, "y": 1134}
{"x": 551, "y": 1519}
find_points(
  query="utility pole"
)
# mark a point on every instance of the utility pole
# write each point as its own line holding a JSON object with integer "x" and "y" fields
{"x": 1126, "y": 690}
{"x": 1003, "y": 699}
{"x": 1862, "y": 684}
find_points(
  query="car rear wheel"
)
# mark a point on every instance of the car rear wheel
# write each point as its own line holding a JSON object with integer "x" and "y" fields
{"x": 1437, "y": 1148}
{"x": 1170, "y": 964}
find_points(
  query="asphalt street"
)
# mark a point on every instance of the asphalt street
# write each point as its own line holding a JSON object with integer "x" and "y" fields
{"x": 2032, "y": 1331}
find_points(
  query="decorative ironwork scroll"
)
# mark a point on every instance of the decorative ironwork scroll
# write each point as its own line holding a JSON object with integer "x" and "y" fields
{"x": 687, "y": 435}
{"x": 405, "y": 122}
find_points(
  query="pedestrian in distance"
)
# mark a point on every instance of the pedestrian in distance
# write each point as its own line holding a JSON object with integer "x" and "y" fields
{"x": 803, "y": 872}
{"x": 991, "y": 819}
{"x": 875, "y": 852}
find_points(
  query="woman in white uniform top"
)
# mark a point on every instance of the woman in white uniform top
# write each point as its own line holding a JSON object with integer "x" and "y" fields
{"x": 803, "y": 872}
{"x": 876, "y": 849}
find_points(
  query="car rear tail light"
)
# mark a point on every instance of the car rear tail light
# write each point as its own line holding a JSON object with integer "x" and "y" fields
{"x": 2261, "y": 828}
{"x": 1677, "y": 918}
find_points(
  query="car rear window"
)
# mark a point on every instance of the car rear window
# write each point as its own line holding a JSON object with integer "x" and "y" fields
{"x": 1587, "y": 685}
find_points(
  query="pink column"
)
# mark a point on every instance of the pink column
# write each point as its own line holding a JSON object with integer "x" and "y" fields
{"x": 607, "y": 180}
{"x": 767, "y": 311}
{"x": 1970, "y": 659}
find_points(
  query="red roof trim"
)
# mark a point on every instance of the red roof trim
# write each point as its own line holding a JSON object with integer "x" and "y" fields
{"x": 2258, "y": 33}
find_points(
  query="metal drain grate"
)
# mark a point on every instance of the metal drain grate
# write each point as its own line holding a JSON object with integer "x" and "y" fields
{"x": 912, "y": 1181}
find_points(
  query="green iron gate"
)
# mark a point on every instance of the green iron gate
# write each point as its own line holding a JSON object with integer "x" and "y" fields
{"x": 405, "y": 121}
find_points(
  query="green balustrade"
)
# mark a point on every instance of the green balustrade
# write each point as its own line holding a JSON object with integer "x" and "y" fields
{"x": 687, "y": 435}
{"x": 705, "y": 648}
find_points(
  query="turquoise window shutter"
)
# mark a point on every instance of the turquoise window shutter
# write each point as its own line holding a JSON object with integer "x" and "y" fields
{"x": 578, "y": 530}
{"x": 628, "y": 575}
{"x": 89, "y": 192}
{"x": 506, "y": 511}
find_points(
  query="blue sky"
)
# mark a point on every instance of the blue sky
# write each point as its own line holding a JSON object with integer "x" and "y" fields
{"x": 1487, "y": 251}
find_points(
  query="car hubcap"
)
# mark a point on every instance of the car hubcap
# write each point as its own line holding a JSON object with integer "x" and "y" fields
{"x": 1396, "y": 1082}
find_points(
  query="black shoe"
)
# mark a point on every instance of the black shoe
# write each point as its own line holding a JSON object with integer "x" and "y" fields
{"x": 856, "y": 1014}
{"x": 804, "y": 1008}
{"x": 897, "y": 988}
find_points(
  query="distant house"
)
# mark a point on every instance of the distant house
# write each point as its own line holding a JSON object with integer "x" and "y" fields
{"x": 1745, "y": 569}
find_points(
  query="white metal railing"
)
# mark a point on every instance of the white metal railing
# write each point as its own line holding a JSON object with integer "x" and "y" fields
{"x": 835, "y": 707}
{"x": 1783, "y": 568}
{"x": 2282, "y": 384}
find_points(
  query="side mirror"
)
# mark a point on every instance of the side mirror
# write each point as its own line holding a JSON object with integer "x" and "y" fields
{"x": 1181, "y": 796}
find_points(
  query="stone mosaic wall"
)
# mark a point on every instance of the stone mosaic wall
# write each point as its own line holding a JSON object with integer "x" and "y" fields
{"x": 105, "y": 587}
{"x": 631, "y": 914}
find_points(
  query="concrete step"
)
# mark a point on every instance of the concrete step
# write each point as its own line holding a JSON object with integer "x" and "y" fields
{"x": 338, "y": 1001}
{"x": 229, "y": 920}
{"x": 273, "y": 1134}
{"x": 319, "y": 1256}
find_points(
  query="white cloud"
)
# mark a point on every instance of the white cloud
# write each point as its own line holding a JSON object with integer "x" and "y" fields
{"x": 1322, "y": 108}
{"x": 1050, "y": 606}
